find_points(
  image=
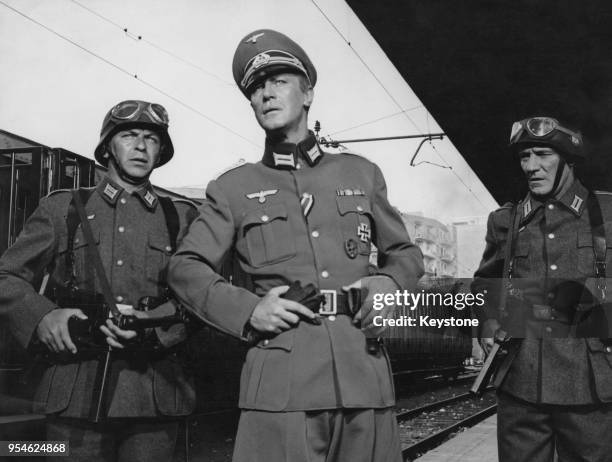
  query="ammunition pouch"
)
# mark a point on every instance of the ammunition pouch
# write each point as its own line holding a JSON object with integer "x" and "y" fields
{"x": 557, "y": 320}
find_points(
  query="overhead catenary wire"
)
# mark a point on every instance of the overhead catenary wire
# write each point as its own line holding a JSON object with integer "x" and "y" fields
{"x": 153, "y": 44}
{"x": 370, "y": 122}
{"x": 132, "y": 75}
{"x": 365, "y": 64}
{"x": 390, "y": 95}
{"x": 486, "y": 209}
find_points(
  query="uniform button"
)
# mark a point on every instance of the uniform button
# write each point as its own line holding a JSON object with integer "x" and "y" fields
{"x": 265, "y": 342}
{"x": 324, "y": 274}
{"x": 553, "y": 267}
{"x": 121, "y": 229}
{"x": 315, "y": 233}
{"x": 119, "y": 298}
{"x": 331, "y": 318}
{"x": 550, "y": 206}
{"x": 298, "y": 166}
{"x": 168, "y": 248}
{"x": 122, "y": 200}
{"x": 551, "y": 236}
{"x": 550, "y": 295}
{"x": 119, "y": 262}
{"x": 608, "y": 349}
{"x": 552, "y": 318}
{"x": 548, "y": 329}
{"x": 76, "y": 241}
{"x": 265, "y": 218}
{"x": 359, "y": 208}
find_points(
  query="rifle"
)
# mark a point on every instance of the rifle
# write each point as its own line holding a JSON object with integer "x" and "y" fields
{"x": 86, "y": 334}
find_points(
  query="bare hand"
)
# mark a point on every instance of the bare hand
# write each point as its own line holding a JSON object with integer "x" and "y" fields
{"x": 487, "y": 334}
{"x": 115, "y": 335}
{"x": 52, "y": 330}
{"x": 373, "y": 285}
{"x": 274, "y": 314}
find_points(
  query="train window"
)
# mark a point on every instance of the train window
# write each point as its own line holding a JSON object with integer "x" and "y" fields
{"x": 21, "y": 158}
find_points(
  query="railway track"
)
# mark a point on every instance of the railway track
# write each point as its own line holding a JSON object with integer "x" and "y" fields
{"x": 411, "y": 382}
{"x": 425, "y": 427}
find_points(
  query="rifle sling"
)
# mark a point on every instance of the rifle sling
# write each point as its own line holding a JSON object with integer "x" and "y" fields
{"x": 509, "y": 259}
{"x": 72, "y": 223}
{"x": 172, "y": 219}
{"x": 598, "y": 234}
{"x": 97, "y": 261}
{"x": 101, "y": 379}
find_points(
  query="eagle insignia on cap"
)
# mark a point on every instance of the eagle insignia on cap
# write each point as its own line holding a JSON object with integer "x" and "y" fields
{"x": 261, "y": 60}
{"x": 253, "y": 38}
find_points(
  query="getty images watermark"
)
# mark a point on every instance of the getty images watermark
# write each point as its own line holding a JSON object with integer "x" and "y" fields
{"x": 402, "y": 300}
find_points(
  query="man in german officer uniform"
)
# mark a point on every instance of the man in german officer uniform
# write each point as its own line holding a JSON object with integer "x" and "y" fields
{"x": 550, "y": 252}
{"x": 133, "y": 231}
{"x": 311, "y": 390}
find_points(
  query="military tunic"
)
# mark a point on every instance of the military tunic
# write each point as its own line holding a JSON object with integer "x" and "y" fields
{"x": 553, "y": 245}
{"x": 299, "y": 214}
{"x": 131, "y": 235}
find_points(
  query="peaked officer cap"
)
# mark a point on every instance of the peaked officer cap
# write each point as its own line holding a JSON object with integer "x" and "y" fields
{"x": 264, "y": 52}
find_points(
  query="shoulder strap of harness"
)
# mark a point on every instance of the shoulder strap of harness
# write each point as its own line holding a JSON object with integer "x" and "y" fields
{"x": 598, "y": 234}
{"x": 72, "y": 222}
{"x": 509, "y": 258}
{"x": 172, "y": 219}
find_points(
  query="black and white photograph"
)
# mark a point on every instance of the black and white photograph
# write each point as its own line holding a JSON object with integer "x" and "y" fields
{"x": 306, "y": 230}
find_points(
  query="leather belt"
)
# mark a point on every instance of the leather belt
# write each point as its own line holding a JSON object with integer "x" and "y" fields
{"x": 340, "y": 302}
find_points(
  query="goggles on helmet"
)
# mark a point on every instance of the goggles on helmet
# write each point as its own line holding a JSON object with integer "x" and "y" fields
{"x": 539, "y": 127}
{"x": 133, "y": 110}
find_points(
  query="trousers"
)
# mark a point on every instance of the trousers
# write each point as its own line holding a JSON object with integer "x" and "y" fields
{"x": 534, "y": 432}
{"x": 124, "y": 440}
{"x": 339, "y": 435}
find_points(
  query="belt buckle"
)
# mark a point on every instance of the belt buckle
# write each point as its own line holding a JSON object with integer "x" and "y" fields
{"x": 329, "y": 307}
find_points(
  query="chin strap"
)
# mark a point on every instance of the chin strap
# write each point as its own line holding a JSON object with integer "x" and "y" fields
{"x": 555, "y": 186}
{"x": 558, "y": 175}
{"x": 126, "y": 176}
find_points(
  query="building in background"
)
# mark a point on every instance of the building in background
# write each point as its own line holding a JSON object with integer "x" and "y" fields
{"x": 470, "y": 237}
{"x": 437, "y": 242}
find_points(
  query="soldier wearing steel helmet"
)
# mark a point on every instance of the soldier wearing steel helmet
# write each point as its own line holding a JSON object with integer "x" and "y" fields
{"x": 311, "y": 389}
{"x": 133, "y": 229}
{"x": 549, "y": 255}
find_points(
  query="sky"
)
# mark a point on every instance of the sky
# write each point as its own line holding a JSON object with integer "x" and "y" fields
{"x": 67, "y": 62}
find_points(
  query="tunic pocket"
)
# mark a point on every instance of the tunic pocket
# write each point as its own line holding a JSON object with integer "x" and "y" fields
{"x": 521, "y": 256}
{"x": 268, "y": 236}
{"x": 356, "y": 222}
{"x": 158, "y": 255}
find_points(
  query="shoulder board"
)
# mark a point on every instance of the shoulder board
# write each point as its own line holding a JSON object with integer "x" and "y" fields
{"x": 185, "y": 201}
{"x": 505, "y": 207}
{"x": 348, "y": 152}
{"x": 604, "y": 193}
{"x": 352, "y": 153}
{"x": 240, "y": 163}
